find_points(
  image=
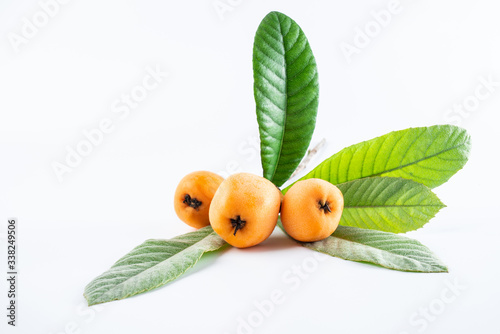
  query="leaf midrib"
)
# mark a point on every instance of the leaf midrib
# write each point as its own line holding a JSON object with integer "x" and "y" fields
{"x": 414, "y": 162}
{"x": 286, "y": 100}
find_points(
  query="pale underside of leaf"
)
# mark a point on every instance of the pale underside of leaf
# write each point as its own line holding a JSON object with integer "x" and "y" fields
{"x": 388, "y": 204}
{"x": 151, "y": 265}
{"x": 286, "y": 94}
{"x": 380, "y": 248}
{"x": 428, "y": 155}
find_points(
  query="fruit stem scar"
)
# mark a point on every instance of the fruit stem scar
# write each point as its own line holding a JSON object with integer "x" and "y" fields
{"x": 192, "y": 202}
{"x": 237, "y": 223}
{"x": 325, "y": 207}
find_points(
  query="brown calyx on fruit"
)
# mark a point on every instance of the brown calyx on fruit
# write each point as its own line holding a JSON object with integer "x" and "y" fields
{"x": 325, "y": 207}
{"x": 192, "y": 202}
{"x": 237, "y": 223}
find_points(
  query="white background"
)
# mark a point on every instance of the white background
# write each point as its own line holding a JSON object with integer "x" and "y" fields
{"x": 65, "y": 78}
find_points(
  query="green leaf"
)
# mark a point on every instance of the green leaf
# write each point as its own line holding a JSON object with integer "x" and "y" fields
{"x": 388, "y": 204}
{"x": 286, "y": 94}
{"x": 380, "y": 248}
{"x": 151, "y": 265}
{"x": 428, "y": 155}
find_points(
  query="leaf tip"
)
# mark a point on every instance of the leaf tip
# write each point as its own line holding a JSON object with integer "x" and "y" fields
{"x": 441, "y": 269}
{"x": 89, "y": 302}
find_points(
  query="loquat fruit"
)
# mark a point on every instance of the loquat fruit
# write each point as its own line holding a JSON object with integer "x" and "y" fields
{"x": 245, "y": 209}
{"x": 311, "y": 210}
{"x": 193, "y": 197}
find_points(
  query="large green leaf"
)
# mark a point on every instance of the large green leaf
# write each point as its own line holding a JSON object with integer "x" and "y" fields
{"x": 380, "y": 248}
{"x": 388, "y": 204}
{"x": 151, "y": 265}
{"x": 286, "y": 94}
{"x": 428, "y": 155}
